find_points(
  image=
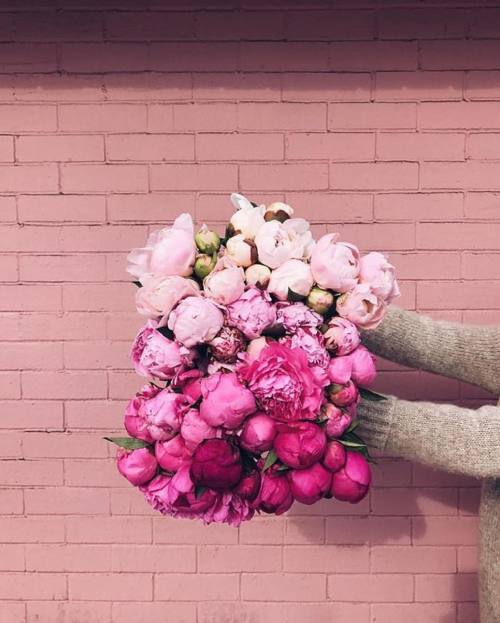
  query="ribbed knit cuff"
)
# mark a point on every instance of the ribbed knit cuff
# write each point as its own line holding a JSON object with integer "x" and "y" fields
{"x": 375, "y": 419}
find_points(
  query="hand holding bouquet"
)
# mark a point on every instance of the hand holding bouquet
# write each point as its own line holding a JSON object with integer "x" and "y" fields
{"x": 252, "y": 351}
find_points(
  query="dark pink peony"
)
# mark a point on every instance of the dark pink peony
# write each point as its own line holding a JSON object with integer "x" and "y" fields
{"x": 363, "y": 366}
{"x": 172, "y": 454}
{"x": 275, "y": 495}
{"x": 194, "y": 429}
{"x": 252, "y": 313}
{"x": 300, "y": 445}
{"x": 311, "y": 484}
{"x": 351, "y": 483}
{"x": 296, "y": 315}
{"x": 227, "y": 344}
{"x": 335, "y": 456}
{"x": 249, "y": 486}
{"x": 285, "y": 386}
{"x": 312, "y": 343}
{"x": 343, "y": 395}
{"x": 258, "y": 433}
{"x": 342, "y": 336}
{"x": 138, "y": 466}
{"x": 216, "y": 464}
{"x": 226, "y": 402}
{"x": 337, "y": 420}
{"x": 162, "y": 414}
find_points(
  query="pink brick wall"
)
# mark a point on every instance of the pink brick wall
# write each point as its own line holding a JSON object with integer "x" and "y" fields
{"x": 382, "y": 122}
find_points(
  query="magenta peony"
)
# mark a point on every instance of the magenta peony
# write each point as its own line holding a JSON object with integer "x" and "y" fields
{"x": 138, "y": 466}
{"x": 335, "y": 456}
{"x": 275, "y": 495}
{"x": 351, "y": 483}
{"x": 258, "y": 433}
{"x": 337, "y": 420}
{"x": 341, "y": 336}
{"x": 249, "y": 486}
{"x": 216, "y": 464}
{"x": 226, "y": 402}
{"x": 251, "y": 313}
{"x": 195, "y": 320}
{"x": 311, "y": 484}
{"x": 343, "y": 395}
{"x": 340, "y": 370}
{"x": 363, "y": 366}
{"x": 300, "y": 445}
{"x": 311, "y": 343}
{"x": 296, "y": 315}
{"x": 172, "y": 454}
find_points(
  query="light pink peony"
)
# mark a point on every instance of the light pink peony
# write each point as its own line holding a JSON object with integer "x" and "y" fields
{"x": 172, "y": 454}
{"x": 362, "y": 307}
{"x": 363, "y": 366}
{"x": 154, "y": 355}
{"x": 251, "y": 313}
{"x": 275, "y": 495}
{"x": 241, "y": 251}
{"x": 292, "y": 277}
{"x": 138, "y": 466}
{"x": 337, "y": 420}
{"x": 342, "y": 336}
{"x": 258, "y": 433}
{"x": 311, "y": 343}
{"x": 227, "y": 344}
{"x": 296, "y": 315}
{"x": 226, "y": 402}
{"x": 300, "y": 445}
{"x": 343, "y": 395}
{"x": 248, "y": 219}
{"x": 335, "y": 265}
{"x": 335, "y": 456}
{"x": 285, "y": 387}
{"x": 159, "y": 295}
{"x": 194, "y": 429}
{"x": 195, "y": 321}
{"x": 351, "y": 483}
{"x": 376, "y": 271}
{"x": 258, "y": 275}
{"x": 169, "y": 251}
{"x": 279, "y": 242}
{"x": 309, "y": 485}
{"x": 225, "y": 283}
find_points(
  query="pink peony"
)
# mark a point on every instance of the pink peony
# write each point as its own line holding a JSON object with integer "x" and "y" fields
{"x": 343, "y": 395}
{"x": 340, "y": 369}
{"x": 216, "y": 464}
{"x": 249, "y": 486}
{"x": 226, "y": 402}
{"x": 342, "y": 336}
{"x": 194, "y": 429}
{"x": 294, "y": 276}
{"x": 188, "y": 382}
{"x": 335, "y": 456}
{"x": 251, "y": 313}
{"x": 279, "y": 242}
{"x": 258, "y": 433}
{"x": 138, "y": 466}
{"x": 135, "y": 424}
{"x": 159, "y": 295}
{"x": 337, "y": 420}
{"x": 169, "y": 251}
{"x": 195, "y": 320}
{"x": 285, "y": 387}
{"x": 351, "y": 483}
{"x": 296, "y": 315}
{"x": 154, "y": 355}
{"x": 362, "y": 307}
{"x": 335, "y": 265}
{"x": 230, "y": 508}
{"x": 227, "y": 344}
{"x": 309, "y": 485}
{"x": 376, "y": 271}
{"x": 172, "y": 454}
{"x": 363, "y": 366}
{"x": 225, "y": 283}
{"x": 300, "y": 445}
{"x": 311, "y": 343}
{"x": 275, "y": 495}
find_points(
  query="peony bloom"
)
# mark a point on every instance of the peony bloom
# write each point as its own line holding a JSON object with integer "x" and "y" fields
{"x": 216, "y": 464}
{"x": 320, "y": 300}
{"x": 258, "y": 433}
{"x": 258, "y": 275}
{"x": 194, "y": 430}
{"x": 172, "y": 454}
{"x": 311, "y": 343}
{"x": 169, "y": 251}
{"x": 208, "y": 242}
{"x": 241, "y": 251}
{"x": 135, "y": 423}
{"x": 361, "y": 307}
{"x": 254, "y": 348}
{"x": 300, "y": 445}
{"x": 251, "y": 313}
{"x": 226, "y": 402}
{"x": 342, "y": 336}
{"x": 340, "y": 369}
{"x": 337, "y": 420}
{"x": 248, "y": 219}
{"x": 249, "y": 486}
{"x": 335, "y": 456}
{"x": 138, "y": 466}
{"x": 154, "y": 355}
{"x": 335, "y": 265}
{"x": 376, "y": 271}
{"x": 363, "y": 366}
{"x": 343, "y": 395}
{"x": 230, "y": 508}
{"x": 351, "y": 483}
{"x": 275, "y": 495}
{"x": 279, "y": 242}
{"x": 309, "y": 485}
{"x": 227, "y": 344}
{"x": 159, "y": 295}
{"x": 293, "y": 276}
{"x": 195, "y": 321}
{"x": 225, "y": 283}
{"x": 295, "y": 315}
{"x": 285, "y": 387}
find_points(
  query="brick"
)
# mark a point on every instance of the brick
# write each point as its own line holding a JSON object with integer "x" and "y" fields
{"x": 6, "y": 149}
{"x": 27, "y": 58}
{"x": 239, "y": 147}
{"x": 28, "y": 118}
{"x": 32, "y": 529}
{"x": 480, "y": 236}
{"x": 374, "y": 176}
{"x": 48, "y": 612}
{"x": 481, "y": 85}
{"x": 108, "y": 586}
{"x": 194, "y": 56}
{"x": 66, "y": 501}
{"x": 156, "y": 558}
{"x": 424, "y": 23}
{"x": 376, "y": 588}
{"x": 275, "y": 176}
{"x": 480, "y": 265}
{"x": 201, "y": 586}
{"x": 374, "y": 530}
{"x": 97, "y": 355}
{"x": 473, "y": 175}
{"x": 414, "y": 501}
{"x": 445, "y": 531}
{"x": 461, "y": 54}
{"x": 31, "y": 414}
{"x": 236, "y": 25}
{"x": 420, "y": 146}
{"x": 483, "y": 146}
{"x": 103, "y": 178}
{"x": 28, "y": 586}
{"x": 331, "y": 146}
{"x": 59, "y": 148}
{"x": 284, "y": 116}
{"x": 57, "y": 88}
{"x": 418, "y": 86}
{"x": 104, "y": 57}
{"x": 304, "y": 530}
{"x": 149, "y": 208}
{"x": 147, "y": 86}
{"x": 446, "y": 587}
{"x": 108, "y": 530}
{"x": 102, "y": 117}
{"x": 234, "y": 559}
{"x": 307, "y": 87}
{"x": 482, "y": 205}
{"x": 148, "y": 147}
{"x": 326, "y": 559}
{"x": 29, "y": 178}
{"x": 414, "y": 613}
{"x": 150, "y": 26}
{"x": 359, "y": 116}
{"x": 12, "y": 557}
{"x": 403, "y": 559}
{"x": 283, "y": 587}
{"x": 373, "y": 56}
{"x": 58, "y": 26}
{"x": 284, "y": 56}
{"x": 467, "y": 559}
{"x": 167, "y": 530}
{"x": 264, "y": 531}
{"x": 461, "y": 115}
{"x": 197, "y": 117}
{"x": 96, "y": 473}
{"x": 340, "y": 207}
{"x": 61, "y": 208}
{"x": 237, "y": 86}
{"x": 30, "y": 356}
{"x": 180, "y": 177}
{"x": 8, "y": 268}
{"x": 62, "y": 268}
{"x": 64, "y": 384}
{"x": 146, "y": 612}
{"x": 12, "y": 611}
{"x": 11, "y": 501}
{"x": 82, "y": 414}
{"x": 329, "y": 25}
{"x": 68, "y": 558}
{"x": 422, "y": 206}
{"x": 427, "y": 265}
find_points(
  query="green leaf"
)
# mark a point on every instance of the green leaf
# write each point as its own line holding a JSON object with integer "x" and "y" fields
{"x": 367, "y": 394}
{"x": 129, "y": 443}
{"x": 137, "y": 283}
{"x": 270, "y": 460}
{"x": 199, "y": 490}
{"x": 283, "y": 468}
{"x": 351, "y": 444}
{"x": 352, "y": 426}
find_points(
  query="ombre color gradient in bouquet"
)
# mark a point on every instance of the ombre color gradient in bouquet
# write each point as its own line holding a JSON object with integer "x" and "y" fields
{"x": 252, "y": 353}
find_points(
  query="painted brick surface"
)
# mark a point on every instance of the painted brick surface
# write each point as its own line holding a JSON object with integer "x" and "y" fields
{"x": 377, "y": 119}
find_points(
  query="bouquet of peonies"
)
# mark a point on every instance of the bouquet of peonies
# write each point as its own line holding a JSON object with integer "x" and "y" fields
{"x": 253, "y": 356}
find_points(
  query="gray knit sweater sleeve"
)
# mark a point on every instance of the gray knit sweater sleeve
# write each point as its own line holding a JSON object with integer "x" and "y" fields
{"x": 464, "y": 441}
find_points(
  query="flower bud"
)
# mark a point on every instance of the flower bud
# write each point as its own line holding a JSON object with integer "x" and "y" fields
{"x": 258, "y": 275}
{"x": 278, "y": 211}
{"x": 204, "y": 265}
{"x": 172, "y": 454}
{"x": 335, "y": 456}
{"x": 216, "y": 464}
{"x": 275, "y": 494}
{"x": 227, "y": 344}
{"x": 311, "y": 484}
{"x": 341, "y": 336}
{"x": 351, "y": 483}
{"x": 320, "y": 300}
{"x": 258, "y": 433}
{"x": 300, "y": 445}
{"x": 241, "y": 250}
{"x": 207, "y": 241}
{"x": 249, "y": 486}
{"x": 343, "y": 395}
{"x": 138, "y": 466}
{"x": 337, "y": 420}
